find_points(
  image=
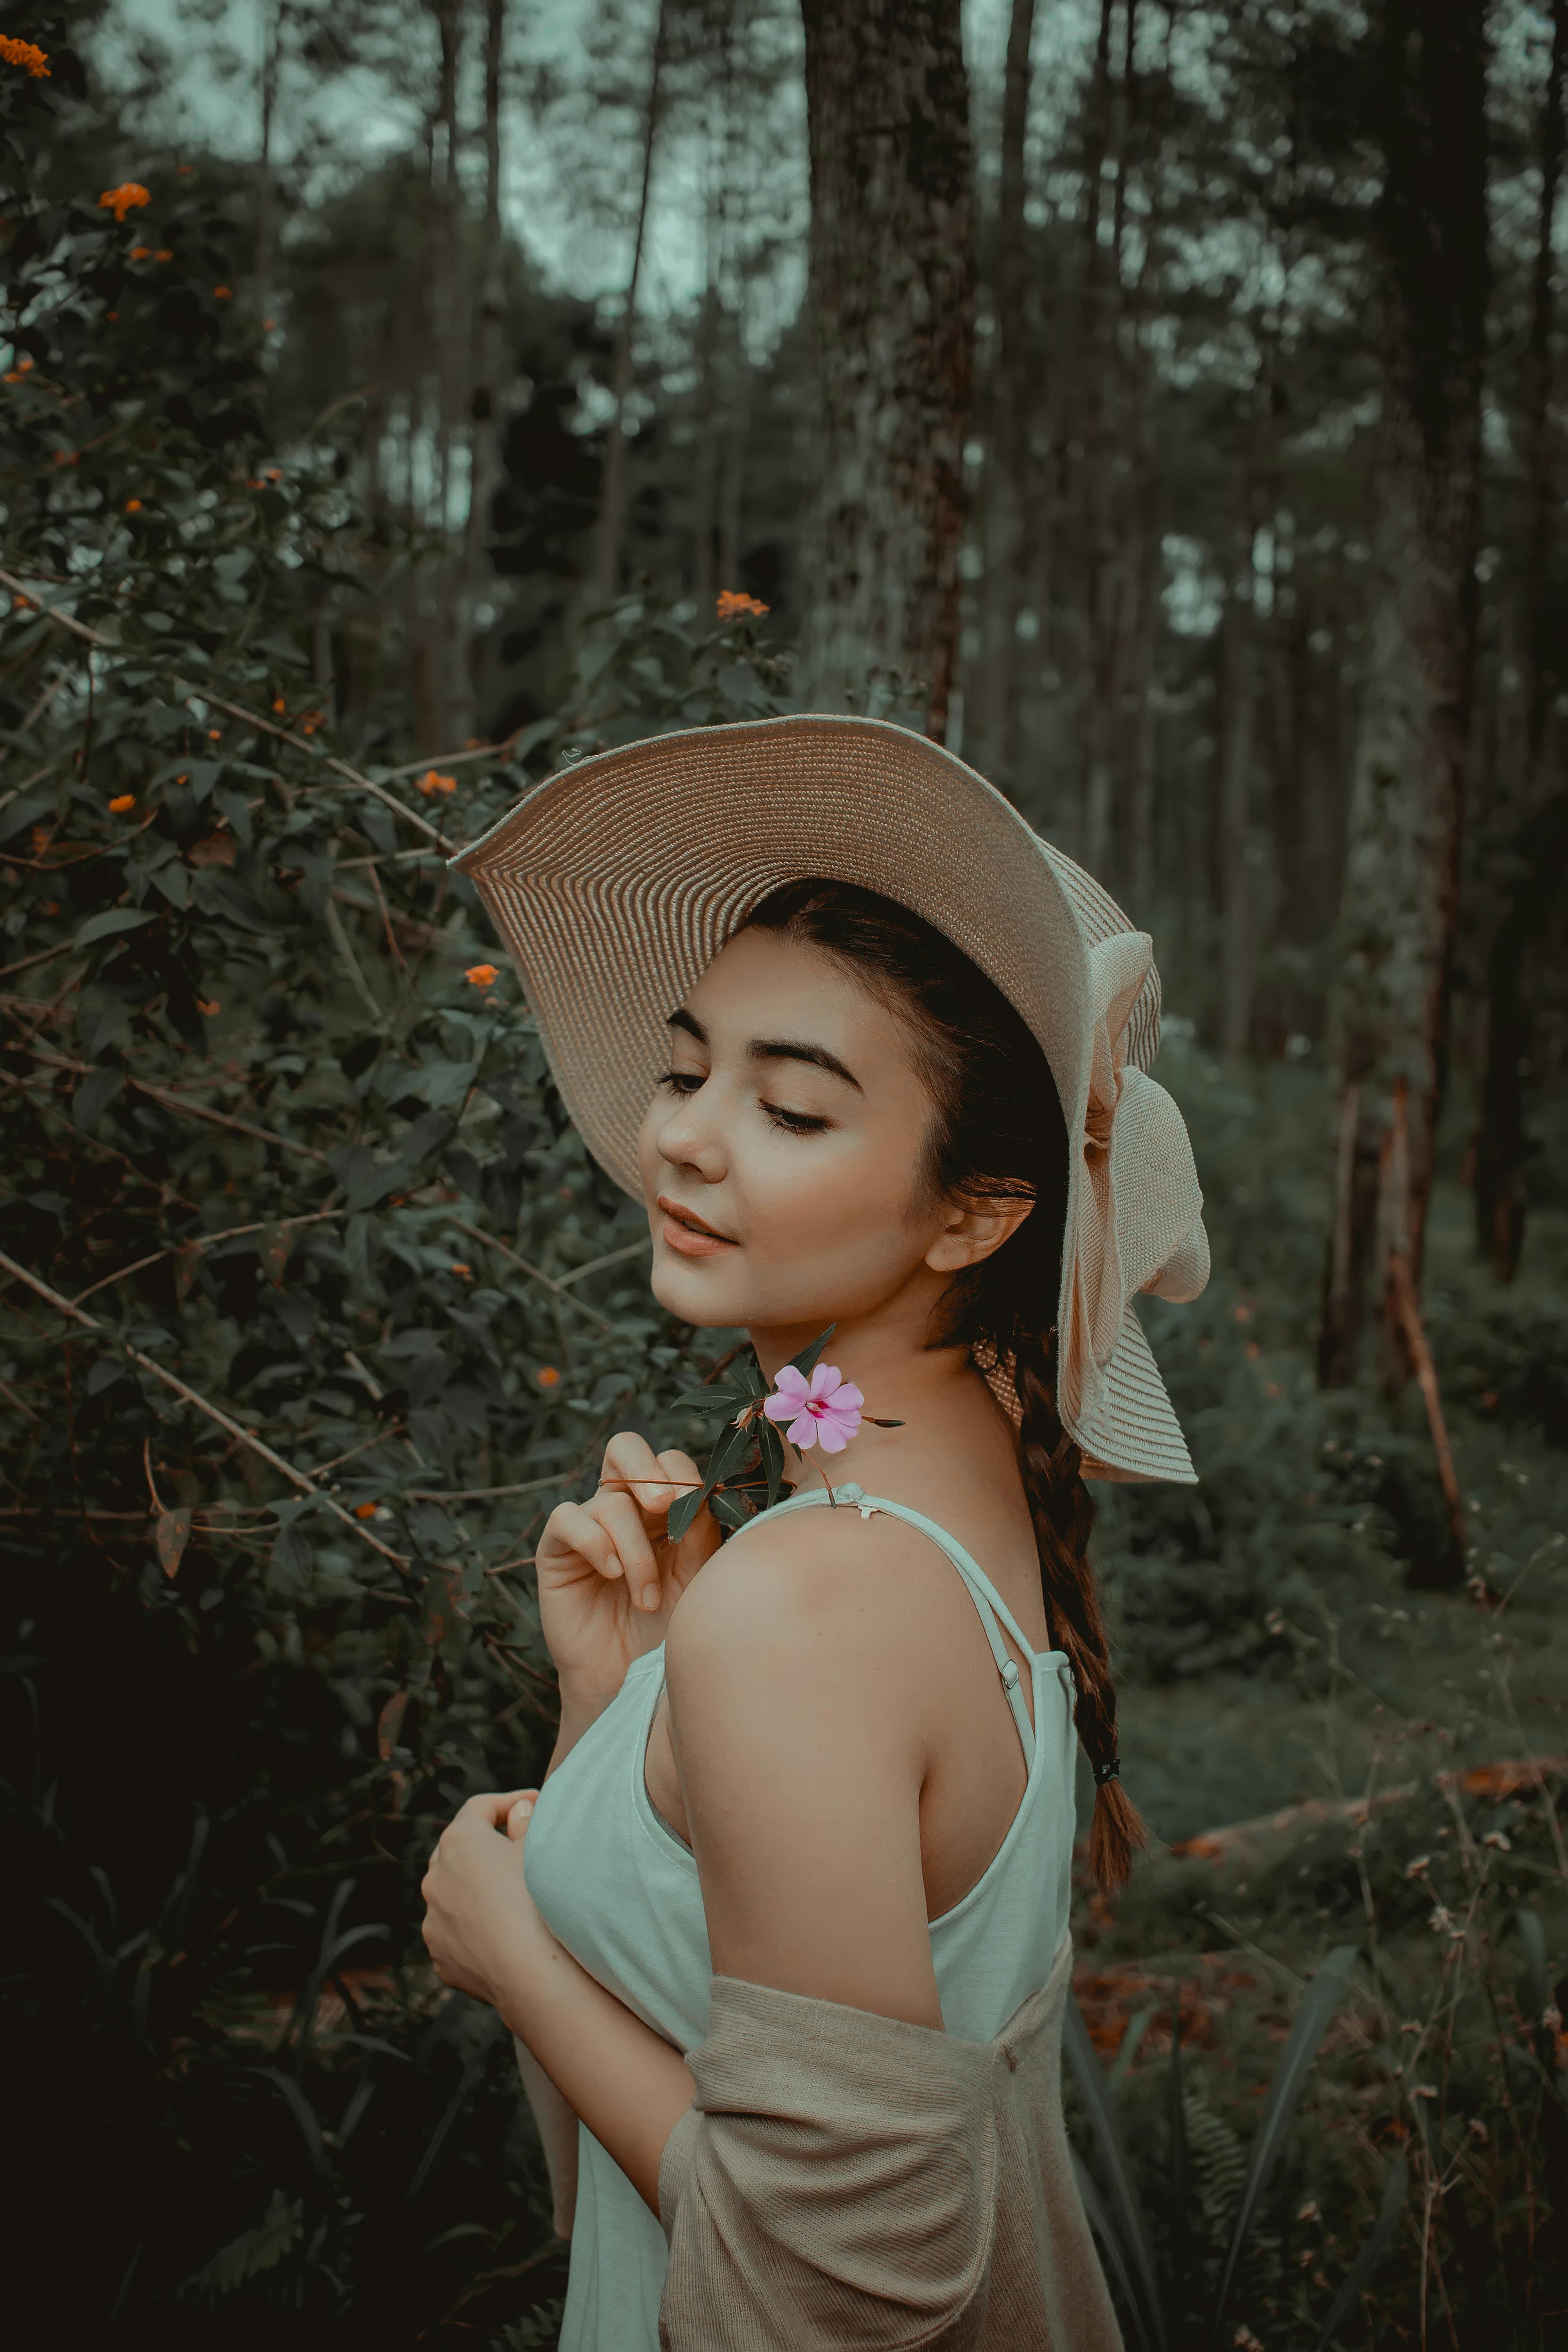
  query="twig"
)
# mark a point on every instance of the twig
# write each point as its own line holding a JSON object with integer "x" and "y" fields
{"x": 201, "y": 1241}
{"x": 1410, "y": 1324}
{"x": 173, "y": 1102}
{"x": 235, "y": 710}
{"x": 45, "y": 955}
{"x": 558, "y": 1289}
{"x": 455, "y": 758}
{"x": 483, "y": 1494}
{"x": 11, "y": 1398}
{"x": 297, "y": 1478}
{"x": 386, "y": 920}
{"x": 350, "y": 964}
{"x": 167, "y": 1192}
{"x": 611, "y": 1258}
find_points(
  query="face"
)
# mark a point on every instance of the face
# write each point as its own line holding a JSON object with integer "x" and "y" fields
{"x": 792, "y": 1127}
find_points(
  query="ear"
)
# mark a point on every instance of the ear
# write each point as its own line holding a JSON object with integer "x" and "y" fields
{"x": 971, "y": 1234}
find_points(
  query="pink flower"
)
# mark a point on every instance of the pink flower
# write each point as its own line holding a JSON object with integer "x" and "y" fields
{"x": 829, "y": 1409}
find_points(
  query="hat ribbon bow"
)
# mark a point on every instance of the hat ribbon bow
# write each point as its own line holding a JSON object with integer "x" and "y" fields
{"x": 1139, "y": 1226}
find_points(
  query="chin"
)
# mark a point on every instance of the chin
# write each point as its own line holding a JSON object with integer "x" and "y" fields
{"x": 682, "y": 1290}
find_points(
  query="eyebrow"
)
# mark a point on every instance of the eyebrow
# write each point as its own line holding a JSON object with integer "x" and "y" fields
{"x": 774, "y": 1049}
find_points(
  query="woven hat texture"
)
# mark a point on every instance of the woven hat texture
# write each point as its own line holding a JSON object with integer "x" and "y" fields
{"x": 615, "y": 884}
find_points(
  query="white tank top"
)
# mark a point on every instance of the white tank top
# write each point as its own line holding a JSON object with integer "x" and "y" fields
{"x": 621, "y": 1890}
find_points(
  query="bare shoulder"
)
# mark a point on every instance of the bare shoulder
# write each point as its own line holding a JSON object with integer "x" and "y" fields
{"x": 787, "y": 1591}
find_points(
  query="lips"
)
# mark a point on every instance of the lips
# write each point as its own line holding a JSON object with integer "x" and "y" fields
{"x": 689, "y": 1234}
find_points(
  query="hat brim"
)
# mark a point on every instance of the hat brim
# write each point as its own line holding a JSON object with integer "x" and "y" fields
{"x": 615, "y": 884}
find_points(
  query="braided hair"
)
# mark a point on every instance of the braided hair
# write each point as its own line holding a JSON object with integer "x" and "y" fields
{"x": 997, "y": 1132}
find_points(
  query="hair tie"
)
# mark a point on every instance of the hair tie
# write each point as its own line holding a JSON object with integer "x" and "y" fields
{"x": 1104, "y": 1772}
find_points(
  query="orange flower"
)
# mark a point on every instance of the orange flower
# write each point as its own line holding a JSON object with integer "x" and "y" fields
{"x": 214, "y": 734}
{"x": 132, "y": 506}
{"x": 121, "y": 802}
{"x": 430, "y": 783}
{"x": 268, "y": 325}
{"x": 113, "y": 317}
{"x": 26, "y": 367}
{"x": 278, "y": 704}
{"x": 481, "y": 975}
{"x": 162, "y": 253}
{"x": 734, "y": 605}
{"x": 222, "y": 293}
{"x": 27, "y": 55}
{"x": 275, "y": 473}
{"x": 66, "y": 458}
{"x": 141, "y": 252}
{"x": 459, "y": 1268}
{"x": 207, "y": 1006}
{"x": 128, "y": 197}
{"x": 365, "y": 1510}
{"x": 547, "y": 1376}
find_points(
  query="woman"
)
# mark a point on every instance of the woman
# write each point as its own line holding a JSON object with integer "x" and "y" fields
{"x": 798, "y": 1879}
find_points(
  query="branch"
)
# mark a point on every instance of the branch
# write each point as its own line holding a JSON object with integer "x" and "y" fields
{"x": 181, "y": 1102}
{"x": 558, "y": 1289}
{"x": 297, "y": 1478}
{"x": 201, "y": 1241}
{"x": 235, "y": 710}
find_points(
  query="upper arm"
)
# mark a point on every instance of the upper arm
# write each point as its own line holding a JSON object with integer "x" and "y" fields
{"x": 801, "y": 1768}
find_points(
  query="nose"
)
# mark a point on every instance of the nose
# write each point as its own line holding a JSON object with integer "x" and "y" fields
{"x": 689, "y": 1138}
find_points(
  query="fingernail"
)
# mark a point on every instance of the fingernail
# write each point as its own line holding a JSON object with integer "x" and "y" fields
{"x": 650, "y": 1596}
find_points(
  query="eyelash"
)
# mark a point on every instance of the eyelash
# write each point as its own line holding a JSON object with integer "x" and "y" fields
{"x": 788, "y": 1122}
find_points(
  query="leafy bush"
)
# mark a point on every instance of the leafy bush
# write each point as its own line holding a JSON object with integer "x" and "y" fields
{"x": 313, "y": 1305}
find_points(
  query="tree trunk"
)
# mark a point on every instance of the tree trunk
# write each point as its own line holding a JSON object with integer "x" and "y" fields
{"x": 1238, "y": 724}
{"x": 485, "y": 367}
{"x": 266, "y": 185}
{"x": 892, "y": 299}
{"x": 612, "y": 523}
{"x": 1407, "y": 786}
{"x": 1500, "y": 1141}
{"x": 1015, "y": 384}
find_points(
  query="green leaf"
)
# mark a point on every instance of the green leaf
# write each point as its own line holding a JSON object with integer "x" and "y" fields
{"x": 772, "y": 1460}
{"x": 1105, "y": 2229}
{"x": 807, "y": 1361}
{"x": 260, "y": 2248}
{"x": 93, "y": 1097}
{"x": 1107, "y": 2128}
{"x": 113, "y": 919}
{"x": 731, "y": 1510}
{"x": 1396, "y": 2189}
{"x": 1322, "y": 1998}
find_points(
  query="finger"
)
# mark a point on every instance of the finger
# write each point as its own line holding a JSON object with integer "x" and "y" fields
{"x": 620, "y": 1516}
{"x": 521, "y": 1813}
{"x": 630, "y": 1457}
{"x": 495, "y": 1804}
{"x": 573, "y": 1532}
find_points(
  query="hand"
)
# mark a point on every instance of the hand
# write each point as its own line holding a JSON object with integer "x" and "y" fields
{"x": 609, "y": 1574}
{"x": 479, "y": 1919}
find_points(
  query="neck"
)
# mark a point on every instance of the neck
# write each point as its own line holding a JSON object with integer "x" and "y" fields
{"x": 899, "y": 1379}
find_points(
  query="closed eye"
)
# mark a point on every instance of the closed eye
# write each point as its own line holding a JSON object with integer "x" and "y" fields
{"x": 792, "y": 1122}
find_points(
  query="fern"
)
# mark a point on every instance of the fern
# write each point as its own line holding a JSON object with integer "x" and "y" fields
{"x": 1220, "y": 2164}
{"x": 260, "y": 2248}
{"x": 540, "y": 2329}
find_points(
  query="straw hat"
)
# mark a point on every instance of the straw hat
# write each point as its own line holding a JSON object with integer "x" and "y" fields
{"x": 615, "y": 883}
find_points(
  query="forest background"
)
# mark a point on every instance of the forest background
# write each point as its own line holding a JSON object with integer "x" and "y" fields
{"x": 1163, "y": 404}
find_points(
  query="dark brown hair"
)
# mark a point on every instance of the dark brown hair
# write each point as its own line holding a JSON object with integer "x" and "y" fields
{"x": 998, "y": 1130}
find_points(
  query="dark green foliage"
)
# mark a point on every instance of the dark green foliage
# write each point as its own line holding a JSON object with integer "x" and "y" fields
{"x": 253, "y": 1107}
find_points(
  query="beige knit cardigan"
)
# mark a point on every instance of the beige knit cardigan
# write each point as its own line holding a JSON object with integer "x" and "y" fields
{"x": 847, "y": 2180}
